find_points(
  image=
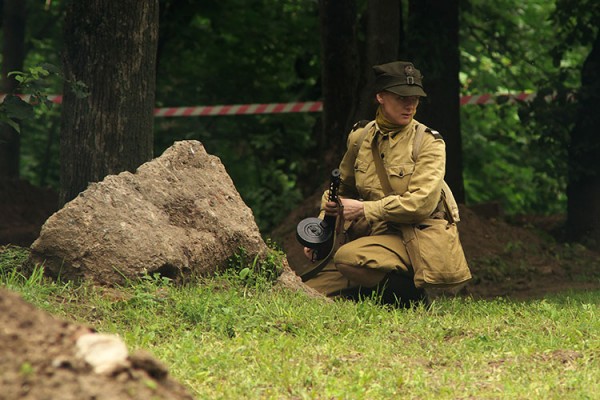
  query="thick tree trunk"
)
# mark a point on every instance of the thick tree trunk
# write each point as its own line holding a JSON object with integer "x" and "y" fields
{"x": 340, "y": 76}
{"x": 432, "y": 43}
{"x": 13, "y": 54}
{"x": 584, "y": 154}
{"x": 110, "y": 46}
{"x": 384, "y": 37}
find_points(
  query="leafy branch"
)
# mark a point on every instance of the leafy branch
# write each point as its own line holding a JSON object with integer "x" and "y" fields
{"x": 14, "y": 108}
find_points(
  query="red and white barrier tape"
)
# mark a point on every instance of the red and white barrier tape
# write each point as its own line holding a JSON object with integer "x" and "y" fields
{"x": 239, "y": 109}
{"x": 297, "y": 107}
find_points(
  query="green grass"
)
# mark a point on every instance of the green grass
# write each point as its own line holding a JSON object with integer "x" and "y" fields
{"x": 228, "y": 340}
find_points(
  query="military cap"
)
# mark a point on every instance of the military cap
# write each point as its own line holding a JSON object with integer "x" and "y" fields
{"x": 399, "y": 77}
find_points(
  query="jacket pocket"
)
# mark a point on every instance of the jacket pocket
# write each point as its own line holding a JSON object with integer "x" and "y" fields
{"x": 400, "y": 175}
{"x": 364, "y": 178}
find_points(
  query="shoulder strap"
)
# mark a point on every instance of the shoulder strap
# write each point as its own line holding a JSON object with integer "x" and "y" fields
{"x": 361, "y": 136}
{"x": 421, "y": 129}
{"x": 450, "y": 202}
{"x": 379, "y": 168}
{"x": 418, "y": 141}
{"x": 381, "y": 173}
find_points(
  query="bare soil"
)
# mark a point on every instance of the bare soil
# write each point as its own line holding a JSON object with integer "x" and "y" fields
{"x": 39, "y": 361}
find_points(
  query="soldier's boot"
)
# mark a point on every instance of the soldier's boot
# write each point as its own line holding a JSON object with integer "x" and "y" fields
{"x": 389, "y": 288}
{"x": 400, "y": 290}
{"x": 364, "y": 281}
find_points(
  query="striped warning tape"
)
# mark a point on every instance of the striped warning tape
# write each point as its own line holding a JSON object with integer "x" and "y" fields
{"x": 297, "y": 107}
{"x": 239, "y": 109}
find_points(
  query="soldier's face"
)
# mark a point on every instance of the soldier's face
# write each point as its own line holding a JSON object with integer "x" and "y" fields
{"x": 398, "y": 109}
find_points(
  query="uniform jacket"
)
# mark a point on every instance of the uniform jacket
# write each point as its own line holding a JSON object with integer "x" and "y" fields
{"x": 417, "y": 185}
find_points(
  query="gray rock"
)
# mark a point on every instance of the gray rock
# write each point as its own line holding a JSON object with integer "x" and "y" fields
{"x": 179, "y": 215}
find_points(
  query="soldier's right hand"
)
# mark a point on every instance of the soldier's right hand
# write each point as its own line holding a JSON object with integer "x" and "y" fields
{"x": 331, "y": 208}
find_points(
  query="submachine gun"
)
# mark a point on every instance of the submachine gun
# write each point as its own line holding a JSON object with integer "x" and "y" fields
{"x": 319, "y": 234}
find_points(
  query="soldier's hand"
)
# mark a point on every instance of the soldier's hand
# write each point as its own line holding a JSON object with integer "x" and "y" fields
{"x": 308, "y": 253}
{"x": 331, "y": 208}
{"x": 353, "y": 209}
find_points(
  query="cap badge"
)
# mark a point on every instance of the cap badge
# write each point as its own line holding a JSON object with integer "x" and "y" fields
{"x": 409, "y": 71}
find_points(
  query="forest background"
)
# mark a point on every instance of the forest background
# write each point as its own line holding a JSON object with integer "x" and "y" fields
{"x": 525, "y": 156}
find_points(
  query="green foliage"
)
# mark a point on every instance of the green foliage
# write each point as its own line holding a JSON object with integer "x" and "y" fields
{"x": 576, "y": 23}
{"x": 13, "y": 109}
{"x": 12, "y": 258}
{"x": 26, "y": 370}
{"x": 240, "y": 52}
{"x": 569, "y": 118}
{"x": 30, "y": 282}
{"x": 517, "y": 155}
{"x": 39, "y": 119}
{"x": 40, "y": 163}
{"x": 503, "y": 162}
{"x": 40, "y": 131}
{"x": 259, "y": 51}
{"x": 504, "y": 44}
{"x": 31, "y": 78}
{"x": 256, "y": 271}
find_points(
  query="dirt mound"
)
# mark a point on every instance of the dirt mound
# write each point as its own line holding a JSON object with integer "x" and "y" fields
{"x": 524, "y": 260}
{"x": 42, "y": 359}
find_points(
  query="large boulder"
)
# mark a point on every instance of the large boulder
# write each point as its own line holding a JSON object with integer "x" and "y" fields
{"x": 178, "y": 215}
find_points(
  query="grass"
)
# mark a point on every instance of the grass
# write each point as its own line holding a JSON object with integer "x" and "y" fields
{"x": 227, "y": 339}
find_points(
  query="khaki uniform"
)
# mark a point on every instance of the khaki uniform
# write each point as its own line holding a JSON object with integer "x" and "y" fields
{"x": 417, "y": 187}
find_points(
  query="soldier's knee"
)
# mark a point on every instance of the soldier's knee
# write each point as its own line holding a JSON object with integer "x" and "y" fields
{"x": 367, "y": 277}
{"x": 343, "y": 256}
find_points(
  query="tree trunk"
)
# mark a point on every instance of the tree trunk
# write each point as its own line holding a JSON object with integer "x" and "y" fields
{"x": 13, "y": 54}
{"x": 110, "y": 46}
{"x": 384, "y": 37}
{"x": 432, "y": 39}
{"x": 583, "y": 189}
{"x": 340, "y": 77}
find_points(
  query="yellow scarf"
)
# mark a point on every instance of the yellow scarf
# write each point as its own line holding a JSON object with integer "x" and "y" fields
{"x": 385, "y": 126}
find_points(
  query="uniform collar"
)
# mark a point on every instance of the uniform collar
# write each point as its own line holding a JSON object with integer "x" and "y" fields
{"x": 396, "y": 134}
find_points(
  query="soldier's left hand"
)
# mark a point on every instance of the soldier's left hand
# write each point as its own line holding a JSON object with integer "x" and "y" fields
{"x": 353, "y": 209}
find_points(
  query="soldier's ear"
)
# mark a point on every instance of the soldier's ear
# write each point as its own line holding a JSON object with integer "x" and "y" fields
{"x": 379, "y": 98}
